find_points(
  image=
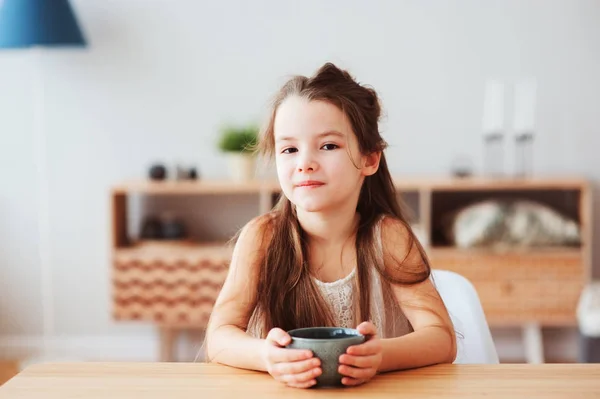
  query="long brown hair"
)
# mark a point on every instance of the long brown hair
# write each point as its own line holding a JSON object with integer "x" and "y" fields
{"x": 287, "y": 295}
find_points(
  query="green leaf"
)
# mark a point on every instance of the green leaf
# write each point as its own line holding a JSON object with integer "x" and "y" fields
{"x": 238, "y": 139}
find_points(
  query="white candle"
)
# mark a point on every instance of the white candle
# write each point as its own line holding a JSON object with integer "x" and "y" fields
{"x": 493, "y": 107}
{"x": 525, "y": 99}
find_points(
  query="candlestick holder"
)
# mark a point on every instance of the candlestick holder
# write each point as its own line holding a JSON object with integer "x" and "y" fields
{"x": 493, "y": 154}
{"x": 524, "y": 154}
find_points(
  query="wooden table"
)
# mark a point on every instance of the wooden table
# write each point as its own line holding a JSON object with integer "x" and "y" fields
{"x": 204, "y": 381}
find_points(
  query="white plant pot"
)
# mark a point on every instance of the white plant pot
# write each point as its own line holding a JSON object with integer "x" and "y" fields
{"x": 242, "y": 167}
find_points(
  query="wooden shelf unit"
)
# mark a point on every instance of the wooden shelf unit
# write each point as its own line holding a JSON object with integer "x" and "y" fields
{"x": 517, "y": 287}
{"x": 173, "y": 187}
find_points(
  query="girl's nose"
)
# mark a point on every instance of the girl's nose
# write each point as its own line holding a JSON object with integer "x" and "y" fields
{"x": 307, "y": 164}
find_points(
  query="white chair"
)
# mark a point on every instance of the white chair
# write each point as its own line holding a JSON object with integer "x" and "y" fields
{"x": 474, "y": 339}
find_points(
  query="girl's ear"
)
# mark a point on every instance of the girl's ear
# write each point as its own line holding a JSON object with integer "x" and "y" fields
{"x": 371, "y": 163}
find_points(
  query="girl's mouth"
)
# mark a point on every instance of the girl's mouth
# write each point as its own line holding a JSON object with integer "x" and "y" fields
{"x": 310, "y": 184}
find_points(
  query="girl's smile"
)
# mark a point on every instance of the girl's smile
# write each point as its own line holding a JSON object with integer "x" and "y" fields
{"x": 309, "y": 184}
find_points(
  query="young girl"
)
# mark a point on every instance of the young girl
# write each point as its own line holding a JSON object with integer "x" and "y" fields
{"x": 336, "y": 250}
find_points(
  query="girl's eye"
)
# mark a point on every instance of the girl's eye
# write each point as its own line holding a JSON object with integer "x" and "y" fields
{"x": 330, "y": 147}
{"x": 289, "y": 150}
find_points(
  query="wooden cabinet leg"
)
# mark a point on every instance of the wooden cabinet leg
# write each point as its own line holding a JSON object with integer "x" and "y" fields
{"x": 167, "y": 343}
{"x": 533, "y": 343}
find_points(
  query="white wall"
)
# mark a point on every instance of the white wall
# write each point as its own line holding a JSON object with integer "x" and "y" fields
{"x": 160, "y": 76}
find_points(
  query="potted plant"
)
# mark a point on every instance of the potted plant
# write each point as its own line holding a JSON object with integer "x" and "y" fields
{"x": 238, "y": 144}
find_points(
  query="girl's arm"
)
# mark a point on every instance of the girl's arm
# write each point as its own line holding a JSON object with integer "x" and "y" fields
{"x": 226, "y": 338}
{"x": 433, "y": 340}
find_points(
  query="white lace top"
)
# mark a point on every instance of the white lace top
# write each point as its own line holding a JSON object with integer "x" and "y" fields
{"x": 339, "y": 295}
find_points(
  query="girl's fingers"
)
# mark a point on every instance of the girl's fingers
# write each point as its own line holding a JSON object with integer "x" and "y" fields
{"x": 295, "y": 367}
{"x": 300, "y": 378}
{"x": 285, "y": 355}
{"x": 351, "y": 381}
{"x": 367, "y": 328}
{"x": 278, "y": 337}
{"x": 359, "y": 361}
{"x": 307, "y": 384}
{"x": 356, "y": 373}
{"x": 371, "y": 347}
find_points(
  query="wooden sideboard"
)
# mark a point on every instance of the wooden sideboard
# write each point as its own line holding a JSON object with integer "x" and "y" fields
{"x": 174, "y": 284}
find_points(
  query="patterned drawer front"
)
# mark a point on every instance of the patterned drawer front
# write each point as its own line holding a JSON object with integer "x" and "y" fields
{"x": 175, "y": 293}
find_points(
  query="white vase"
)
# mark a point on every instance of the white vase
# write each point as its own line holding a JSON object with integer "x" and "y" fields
{"x": 242, "y": 166}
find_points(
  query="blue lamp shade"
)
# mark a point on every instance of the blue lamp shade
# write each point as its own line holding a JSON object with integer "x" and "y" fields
{"x": 26, "y": 23}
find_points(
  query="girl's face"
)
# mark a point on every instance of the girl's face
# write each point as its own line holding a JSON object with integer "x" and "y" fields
{"x": 319, "y": 164}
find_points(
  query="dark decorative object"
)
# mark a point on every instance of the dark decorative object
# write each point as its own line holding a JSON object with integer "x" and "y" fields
{"x": 186, "y": 174}
{"x": 461, "y": 167}
{"x": 163, "y": 228}
{"x": 152, "y": 229}
{"x": 173, "y": 230}
{"x": 158, "y": 172}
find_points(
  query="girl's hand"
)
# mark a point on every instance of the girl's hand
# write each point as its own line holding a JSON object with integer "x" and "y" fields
{"x": 360, "y": 362}
{"x": 294, "y": 367}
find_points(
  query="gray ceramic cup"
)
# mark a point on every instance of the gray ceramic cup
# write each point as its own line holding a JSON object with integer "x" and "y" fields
{"x": 328, "y": 344}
